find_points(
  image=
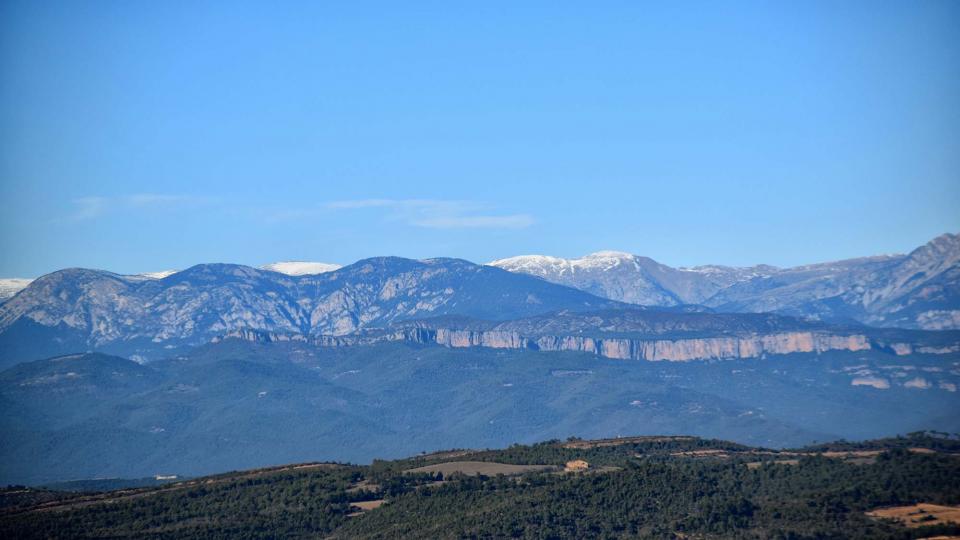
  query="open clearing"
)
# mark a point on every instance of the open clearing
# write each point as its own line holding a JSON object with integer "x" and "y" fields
{"x": 486, "y": 468}
{"x": 919, "y": 515}
{"x": 364, "y": 506}
{"x": 368, "y": 505}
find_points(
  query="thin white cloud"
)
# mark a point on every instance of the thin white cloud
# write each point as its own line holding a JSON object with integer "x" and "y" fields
{"x": 364, "y": 203}
{"x": 88, "y": 208}
{"x": 282, "y": 215}
{"x": 92, "y": 207}
{"x": 438, "y": 213}
{"x": 156, "y": 199}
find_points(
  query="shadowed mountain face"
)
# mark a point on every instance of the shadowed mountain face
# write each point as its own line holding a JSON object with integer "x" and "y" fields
{"x": 100, "y": 310}
{"x": 238, "y": 404}
{"x": 918, "y": 290}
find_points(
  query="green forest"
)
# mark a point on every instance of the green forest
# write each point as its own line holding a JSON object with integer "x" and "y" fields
{"x": 647, "y": 487}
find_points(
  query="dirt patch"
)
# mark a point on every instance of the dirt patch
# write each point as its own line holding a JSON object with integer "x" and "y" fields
{"x": 368, "y": 505}
{"x": 364, "y": 506}
{"x": 919, "y": 515}
{"x": 852, "y": 454}
{"x": 486, "y": 468}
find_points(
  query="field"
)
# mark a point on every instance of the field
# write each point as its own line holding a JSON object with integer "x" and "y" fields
{"x": 919, "y": 515}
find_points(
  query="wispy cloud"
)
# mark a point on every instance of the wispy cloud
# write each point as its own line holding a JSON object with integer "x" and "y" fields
{"x": 88, "y": 208}
{"x": 438, "y": 214}
{"x": 92, "y": 207}
{"x": 156, "y": 199}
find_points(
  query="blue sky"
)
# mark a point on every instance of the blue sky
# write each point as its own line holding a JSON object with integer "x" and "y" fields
{"x": 139, "y": 136}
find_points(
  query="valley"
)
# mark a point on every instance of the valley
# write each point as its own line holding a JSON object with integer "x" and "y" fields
{"x": 238, "y": 404}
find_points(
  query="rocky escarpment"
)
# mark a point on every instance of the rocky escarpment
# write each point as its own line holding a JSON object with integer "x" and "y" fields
{"x": 675, "y": 350}
{"x": 678, "y": 350}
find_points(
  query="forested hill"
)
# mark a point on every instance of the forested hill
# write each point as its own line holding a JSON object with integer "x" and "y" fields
{"x": 650, "y": 487}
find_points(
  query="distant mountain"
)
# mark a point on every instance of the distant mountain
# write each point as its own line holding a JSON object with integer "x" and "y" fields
{"x": 237, "y": 404}
{"x": 917, "y": 290}
{"x": 632, "y": 278}
{"x": 80, "y": 309}
{"x": 11, "y": 286}
{"x": 151, "y": 275}
{"x": 300, "y": 268}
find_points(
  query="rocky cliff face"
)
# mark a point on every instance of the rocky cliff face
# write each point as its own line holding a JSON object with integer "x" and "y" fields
{"x": 673, "y": 350}
{"x": 917, "y": 290}
{"x": 645, "y": 335}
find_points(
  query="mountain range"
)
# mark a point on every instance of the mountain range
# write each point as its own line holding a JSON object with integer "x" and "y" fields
{"x": 79, "y": 309}
{"x": 917, "y": 290}
{"x": 818, "y": 307}
{"x": 227, "y": 366}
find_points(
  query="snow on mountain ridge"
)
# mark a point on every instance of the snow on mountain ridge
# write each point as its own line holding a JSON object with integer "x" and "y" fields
{"x": 11, "y": 286}
{"x": 150, "y": 275}
{"x": 300, "y": 268}
{"x": 916, "y": 290}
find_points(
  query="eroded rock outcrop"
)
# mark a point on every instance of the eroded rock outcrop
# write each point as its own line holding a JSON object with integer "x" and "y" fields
{"x": 673, "y": 350}
{"x": 678, "y": 350}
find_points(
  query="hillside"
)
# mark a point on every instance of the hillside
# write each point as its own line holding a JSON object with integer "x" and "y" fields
{"x": 651, "y": 487}
{"x": 79, "y": 309}
{"x": 239, "y": 404}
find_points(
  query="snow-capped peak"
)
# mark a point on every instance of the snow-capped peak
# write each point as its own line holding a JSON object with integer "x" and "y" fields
{"x": 158, "y": 275}
{"x": 11, "y": 286}
{"x": 544, "y": 265}
{"x": 300, "y": 268}
{"x": 528, "y": 260}
{"x": 145, "y": 276}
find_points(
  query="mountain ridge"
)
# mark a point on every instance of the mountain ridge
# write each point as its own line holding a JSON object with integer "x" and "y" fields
{"x": 204, "y": 301}
{"x": 142, "y": 317}
{"x": 239, "y": 404}
{"x": 920, "y": 289}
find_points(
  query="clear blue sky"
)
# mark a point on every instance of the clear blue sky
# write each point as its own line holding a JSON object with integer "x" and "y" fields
{"x": 139, "y": 136}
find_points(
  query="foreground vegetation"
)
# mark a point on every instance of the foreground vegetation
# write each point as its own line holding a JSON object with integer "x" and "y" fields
{"x": 658, "y": 487}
